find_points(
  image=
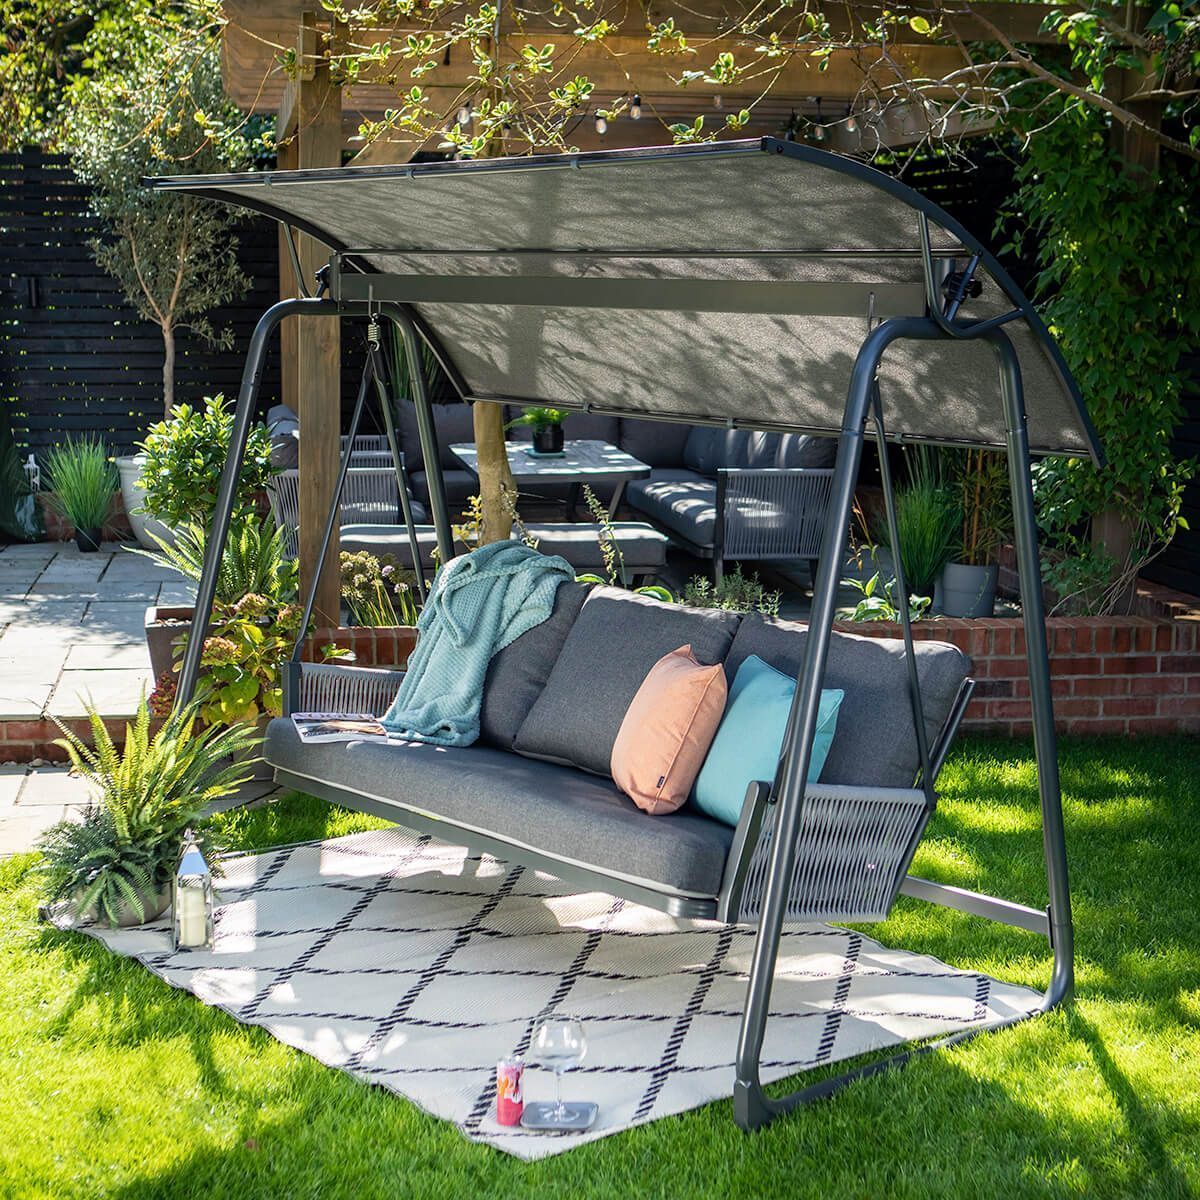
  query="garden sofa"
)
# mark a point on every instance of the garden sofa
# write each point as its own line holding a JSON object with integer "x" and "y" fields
{"x": 536, "y": 786}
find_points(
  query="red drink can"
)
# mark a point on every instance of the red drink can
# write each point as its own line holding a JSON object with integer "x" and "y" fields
{"x": 510, "y": 1090}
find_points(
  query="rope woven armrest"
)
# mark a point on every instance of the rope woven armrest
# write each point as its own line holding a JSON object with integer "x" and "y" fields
{"x": 330, "y": 687}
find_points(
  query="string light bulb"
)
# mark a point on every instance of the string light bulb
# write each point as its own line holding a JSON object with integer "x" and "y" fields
{"x": 635, "y": 109}
{"x": 601, "y": 124}
{"x": 851, "y": 125}
{"x": 464, "y": 115}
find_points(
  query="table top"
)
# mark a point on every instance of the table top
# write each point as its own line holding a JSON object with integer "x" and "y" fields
{"x": 581, "y": 460}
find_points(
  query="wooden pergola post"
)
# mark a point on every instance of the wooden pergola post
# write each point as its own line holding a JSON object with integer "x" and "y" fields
{"x": 310, "y": 133}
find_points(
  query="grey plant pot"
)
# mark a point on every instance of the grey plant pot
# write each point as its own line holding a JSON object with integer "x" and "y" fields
{"x": 127, "y": 916}
{"x": 165, "y": 625}
{"x": 967, "y": 591}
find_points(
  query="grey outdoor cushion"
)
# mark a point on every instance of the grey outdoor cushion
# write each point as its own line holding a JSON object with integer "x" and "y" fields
{"x": 708, "y": 450}
{"x": 452, "y": 423}
{"x": 389, "y": 539}
{"x": 800, "y": 450}
{"x": 679, "y": 500}
{"x": 517, "y": 674}
{"x": 558, "y": 811}
{"x": 656, "y": 443}
{"x": 642, "y": 547}
{"x": 875, "y": 743}
{"x": 616, "y": 639}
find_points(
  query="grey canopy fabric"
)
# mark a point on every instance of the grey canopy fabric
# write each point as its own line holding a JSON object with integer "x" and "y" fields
{"x": 730, "y": 283}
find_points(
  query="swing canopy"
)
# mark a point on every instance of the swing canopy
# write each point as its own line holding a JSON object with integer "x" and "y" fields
{"x": 730, "y": 283}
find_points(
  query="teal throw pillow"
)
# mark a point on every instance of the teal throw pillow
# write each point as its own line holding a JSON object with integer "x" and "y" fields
{"x": 750, "y": 736}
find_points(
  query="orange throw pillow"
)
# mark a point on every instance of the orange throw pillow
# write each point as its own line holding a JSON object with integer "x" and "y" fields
{"x": 666, "y": 733}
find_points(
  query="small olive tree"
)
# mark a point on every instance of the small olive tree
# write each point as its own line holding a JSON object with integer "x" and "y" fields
{"x": 174, "y": 256}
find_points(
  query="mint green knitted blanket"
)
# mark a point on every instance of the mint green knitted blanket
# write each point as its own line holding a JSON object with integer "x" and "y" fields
{"x": 479, "y": 603}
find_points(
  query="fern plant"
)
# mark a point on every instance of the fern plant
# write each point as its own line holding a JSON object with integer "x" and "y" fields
{"x": 120, "y": 858}
{"x": 255, "y": 560}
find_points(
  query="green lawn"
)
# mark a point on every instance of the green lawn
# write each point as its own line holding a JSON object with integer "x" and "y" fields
{"x": 112, "y": 1084}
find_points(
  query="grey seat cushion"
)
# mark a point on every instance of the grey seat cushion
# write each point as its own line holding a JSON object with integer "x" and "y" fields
{"x": 389, "y": 539}
{"x": 556, "y": 810}
{"x": 616, "y": 639}
{"x": 679, "y": 500}
{"x": 518, "y": 673}
{"x": 875, "y": 743}
{"x": 284, "y": 428}
{"x": 643, "y": 548}
{"x": 656, "y": 443}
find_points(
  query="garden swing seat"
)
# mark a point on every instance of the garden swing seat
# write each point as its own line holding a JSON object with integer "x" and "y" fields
{"x": 760, "y": 285}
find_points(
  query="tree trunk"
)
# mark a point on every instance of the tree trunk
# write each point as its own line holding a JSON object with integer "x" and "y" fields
{"x": 1112, "y": 531}
{"x": 168, "y": 335}
{"x": 497, "y": 491}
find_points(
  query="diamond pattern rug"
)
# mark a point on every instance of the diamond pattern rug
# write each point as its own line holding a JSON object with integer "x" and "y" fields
{"x": 416, "y": 965}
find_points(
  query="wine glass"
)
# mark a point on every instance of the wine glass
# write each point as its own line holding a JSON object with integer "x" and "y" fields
{"x": 558, "y": 1044}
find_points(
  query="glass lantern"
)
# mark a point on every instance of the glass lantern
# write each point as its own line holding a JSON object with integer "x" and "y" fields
{"x": 192, "y": 899}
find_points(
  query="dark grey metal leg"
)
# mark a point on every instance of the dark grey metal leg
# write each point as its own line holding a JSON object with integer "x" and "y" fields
{"x": 426, "y": 429}
{"x": 1062, "y": 934}
{"x": 214, "y": 546}
{"x": 751, "y": 1106}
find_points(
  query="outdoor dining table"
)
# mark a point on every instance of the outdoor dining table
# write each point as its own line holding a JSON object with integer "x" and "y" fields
{"x": 581, "y": 461}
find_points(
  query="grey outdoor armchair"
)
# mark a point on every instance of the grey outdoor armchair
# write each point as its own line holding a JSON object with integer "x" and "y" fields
{"x": 742, "y": 494}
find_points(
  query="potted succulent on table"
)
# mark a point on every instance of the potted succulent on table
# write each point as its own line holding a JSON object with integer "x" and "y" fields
{"x": 546, "y": 425}
{"x": 82, "y": 484}
{"x": 115, "y": 866}
{"x": 968, "y": 584}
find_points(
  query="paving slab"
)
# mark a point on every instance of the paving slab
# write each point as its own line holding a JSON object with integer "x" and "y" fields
{"x": 75, "y": 571}
{"x": 40, "y": 613}
{"x": 121, "y": 656}
{"x": 30, "y": 664}
{"x": 26, "y": 551}
{"x": 127, "y": 591}
{"x": 183, "y": 592}
{"x": 113, "y": 693}
{"x": 53, "y": 786}
{"x": 22, "y": 701}
{"x": 11, "y": 779}
{"x": 20, "y": 834}
{"x": 114, "y": 621}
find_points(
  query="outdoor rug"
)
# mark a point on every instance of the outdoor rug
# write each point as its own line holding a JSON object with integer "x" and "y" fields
{"x": 415, "y": 965}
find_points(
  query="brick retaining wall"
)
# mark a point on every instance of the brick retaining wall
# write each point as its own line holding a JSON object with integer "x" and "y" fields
{"x": 1123, "y": 675}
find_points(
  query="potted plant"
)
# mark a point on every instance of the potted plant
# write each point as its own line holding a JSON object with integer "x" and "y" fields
{"x": 927, "y": 514}
{"x": 255, "y": 561}
{"x": 115, "y": 865}
{"x": 546, "y": 424}
{"x": 377, "y": 591}
{"x": 968, "y": 584}
{"x": 183, "y": 459}
{"x": 82, "y": 483}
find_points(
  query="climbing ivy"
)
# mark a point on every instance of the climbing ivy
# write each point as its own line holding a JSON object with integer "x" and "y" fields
{"x": 1119, "y": 281}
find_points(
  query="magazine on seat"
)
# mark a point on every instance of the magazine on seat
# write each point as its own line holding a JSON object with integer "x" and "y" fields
{"x": 338, "y": 727}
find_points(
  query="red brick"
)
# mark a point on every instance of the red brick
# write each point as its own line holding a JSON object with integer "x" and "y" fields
{"x": 1102, "y": 725}
{"x": 1179, "y": 706}
{"x": 1003, "y": 638}
{"x": 1151, "y": 725}
{"x": 1184, "y": 664}
{"x": 1164, "y": 636}
{"x": 1101, "y": 685}
{"x": 1060, "y": 687}
{"x": 1009, "y": 708}
{"x": 1078, "y": 666}
{"x": 1006, "y": 668}
{"x": 1126, "y": 706}
{"x": 1130, "y": 664}
{"x": 1155, "y": 685}
{"x": 1077, "y": 708}
{"x": 28, "y": 731}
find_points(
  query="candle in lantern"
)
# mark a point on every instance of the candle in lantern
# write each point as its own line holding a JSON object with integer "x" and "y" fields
{"x": 193, "y": 920}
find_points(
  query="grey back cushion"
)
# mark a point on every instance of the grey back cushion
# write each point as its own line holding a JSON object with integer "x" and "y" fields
{"x": 616, "y": 639}
{"x": 656, "y": 443}
{"x": 453, "y": 423}
{"x": 708, "y": 450}
{"x": 518, "y": 673}
{"x": 800, "y": 450}
{"x": 875, "y": 744}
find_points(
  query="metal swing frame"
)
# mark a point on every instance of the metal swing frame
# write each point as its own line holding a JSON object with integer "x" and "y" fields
{"x": 781, "y": 801}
